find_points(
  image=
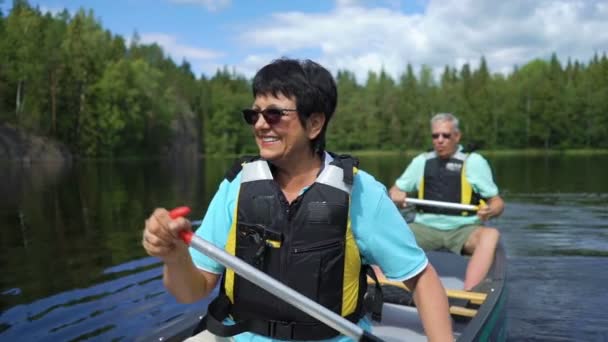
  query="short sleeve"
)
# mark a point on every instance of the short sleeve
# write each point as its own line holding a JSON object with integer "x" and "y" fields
{"x": 479, "y": 174}
{"x": 408, "y": 181}
{"x": 216, "y": 224}
{"x": 383, "y": 237}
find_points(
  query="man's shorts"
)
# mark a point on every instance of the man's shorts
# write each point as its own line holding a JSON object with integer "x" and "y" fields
{"x": 431, "y": 239}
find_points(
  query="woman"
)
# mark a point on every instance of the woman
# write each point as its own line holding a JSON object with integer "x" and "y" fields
{"x": 305, "y": 216}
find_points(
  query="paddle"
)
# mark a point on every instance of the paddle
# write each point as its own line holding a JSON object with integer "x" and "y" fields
{"x": 448, "y": 205}
{"x": 272, "y": 285}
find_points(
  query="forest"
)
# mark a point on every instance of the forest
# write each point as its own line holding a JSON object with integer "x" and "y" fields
{"x": 65, "y": 77}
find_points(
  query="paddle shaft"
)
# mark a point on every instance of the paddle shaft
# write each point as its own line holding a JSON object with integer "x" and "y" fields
{"x": 277, "y": 288}
{"x": 448, "y": 205}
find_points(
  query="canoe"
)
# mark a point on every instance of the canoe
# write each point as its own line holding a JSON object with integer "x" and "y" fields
{"x": 479, "y": 315}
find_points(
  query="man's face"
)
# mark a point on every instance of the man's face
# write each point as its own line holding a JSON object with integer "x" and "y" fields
{"x": 445, "y": 138}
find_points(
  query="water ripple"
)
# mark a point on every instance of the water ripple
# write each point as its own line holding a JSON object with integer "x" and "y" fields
{"x": 119, "y": 309}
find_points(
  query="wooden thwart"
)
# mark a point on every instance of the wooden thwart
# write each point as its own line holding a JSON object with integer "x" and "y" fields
{"x": 461, "y": 311}
{"x": 476, "y": 298}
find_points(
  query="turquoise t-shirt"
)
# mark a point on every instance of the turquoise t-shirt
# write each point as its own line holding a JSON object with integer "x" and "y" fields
{"x": 381, "y": 234}
{"x": 478, "y": 173}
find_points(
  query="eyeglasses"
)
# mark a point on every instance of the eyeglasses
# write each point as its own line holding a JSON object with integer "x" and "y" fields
{"x": 444, "y": 135}
{"x": 271, "y": 115}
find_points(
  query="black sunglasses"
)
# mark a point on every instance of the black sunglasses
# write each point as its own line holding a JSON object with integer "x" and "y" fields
{"x": 444, "y": 135}
{"x": 271, "y": 115}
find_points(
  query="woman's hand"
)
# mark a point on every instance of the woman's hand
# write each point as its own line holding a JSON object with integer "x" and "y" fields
{"x": 161, "y": 236}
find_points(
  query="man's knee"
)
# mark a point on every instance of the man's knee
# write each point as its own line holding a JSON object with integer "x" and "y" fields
{"x": 482, "y": 236}
{"x": 488, "y": 238}
{"x": 491, "y": 234}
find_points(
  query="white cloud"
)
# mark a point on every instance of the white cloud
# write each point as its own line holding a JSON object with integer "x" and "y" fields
{"x": 253, "y": 63}
{"x": 448, "y": 32}
{"x": 197, "y": 57}
{"x": 211, "y": 5}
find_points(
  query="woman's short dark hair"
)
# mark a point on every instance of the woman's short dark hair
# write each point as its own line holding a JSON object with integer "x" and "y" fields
{"x": 311, "y": 85}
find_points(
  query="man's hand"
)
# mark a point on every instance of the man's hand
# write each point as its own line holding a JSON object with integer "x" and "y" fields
{"x": 494, "y": 208}
{"x": 398, "y": 196}
{"x": 484, "y": 213}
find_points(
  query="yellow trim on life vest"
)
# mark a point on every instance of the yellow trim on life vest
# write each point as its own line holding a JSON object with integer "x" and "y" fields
{"x": 231, "y": 249}
{"x": 421, "y": 184}
{"x": 352, "y": 268}
{"x": 466, "y": 191}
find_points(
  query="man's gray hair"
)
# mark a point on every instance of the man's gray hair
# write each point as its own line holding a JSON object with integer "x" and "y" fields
{"x": 446, "y": 117}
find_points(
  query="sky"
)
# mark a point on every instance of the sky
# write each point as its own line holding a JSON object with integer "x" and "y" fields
{"x": 358, "y": 36}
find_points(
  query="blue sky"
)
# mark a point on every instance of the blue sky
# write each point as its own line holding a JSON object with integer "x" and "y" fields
{"x": 356, "y": 35}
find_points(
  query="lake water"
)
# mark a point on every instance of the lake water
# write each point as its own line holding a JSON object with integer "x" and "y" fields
{"x": 73, "y": 268}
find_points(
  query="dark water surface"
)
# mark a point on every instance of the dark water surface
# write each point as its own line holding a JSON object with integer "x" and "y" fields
{"x": 72, "y": 268}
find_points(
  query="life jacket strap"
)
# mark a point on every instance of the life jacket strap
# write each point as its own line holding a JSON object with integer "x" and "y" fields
{"x": 374, "y": 300}
{"x": 347, "y": 163}
{"x": 219, "y": 309}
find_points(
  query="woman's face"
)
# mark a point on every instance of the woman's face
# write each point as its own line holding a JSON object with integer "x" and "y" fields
{"x": 287, "y": 140}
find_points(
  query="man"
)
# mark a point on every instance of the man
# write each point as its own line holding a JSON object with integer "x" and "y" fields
{"x": 451, "y": 174}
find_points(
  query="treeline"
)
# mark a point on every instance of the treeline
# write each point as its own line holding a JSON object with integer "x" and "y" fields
{"x": 66, "y": 77}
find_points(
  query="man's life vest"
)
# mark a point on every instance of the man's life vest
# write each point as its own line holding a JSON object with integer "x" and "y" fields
{"x": 445, "y": 180}
{"x": 307, "y": 245}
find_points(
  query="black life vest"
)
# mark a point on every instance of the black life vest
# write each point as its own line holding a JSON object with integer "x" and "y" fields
{"x": 307, "y": 245}
{"x": 445, "y": 180}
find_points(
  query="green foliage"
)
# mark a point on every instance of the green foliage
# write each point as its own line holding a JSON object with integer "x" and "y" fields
{"x": 23, "y": 62}
{"x": 225, "y": 131}
{"x": 125, "y": 99}
{"x": 64, "y": 76}
{"x": 3, "y": 76}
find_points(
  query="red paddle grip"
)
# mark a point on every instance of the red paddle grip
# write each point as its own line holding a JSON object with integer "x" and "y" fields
{"x": 179, "y": 212}
{"x": 185, "y": 235}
